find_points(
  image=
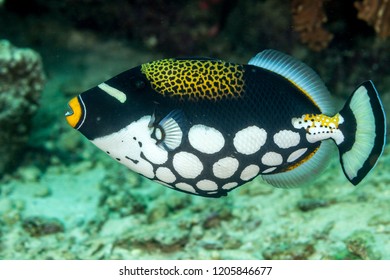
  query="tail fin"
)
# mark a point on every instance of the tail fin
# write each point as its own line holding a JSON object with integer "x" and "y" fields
{"x": 364, "y": 131}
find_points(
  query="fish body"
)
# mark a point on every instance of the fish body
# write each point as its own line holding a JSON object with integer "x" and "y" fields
{"x": 206, "y": 126}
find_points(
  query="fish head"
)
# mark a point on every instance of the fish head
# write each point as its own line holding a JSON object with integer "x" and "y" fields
{"x": 111, "y": 105}
{"x": 128, "y": 120}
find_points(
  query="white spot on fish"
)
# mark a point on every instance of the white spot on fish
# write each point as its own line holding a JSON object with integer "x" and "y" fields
{"x": 249, "y": 172}
{"x": 225, "y": 167}
{"x": 165, "y": 174}
{"x": 296, "y": 155}
{"x": 185, "y": 187}
{"x": 117, "y": 94}
{"x": 207, "y": 185}
{"x": 269, "y": 170}
{"x": 206, "y": 139}
{"x": 229, "y": 186}
{"x": 249, "y": 140}
{"x": 187, "y": 165}
{"x": 272, "y": 159}
{"x": 286, "y": 139}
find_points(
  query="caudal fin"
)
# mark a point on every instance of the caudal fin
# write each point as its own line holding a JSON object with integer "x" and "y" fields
{"x": 364, "y": 131}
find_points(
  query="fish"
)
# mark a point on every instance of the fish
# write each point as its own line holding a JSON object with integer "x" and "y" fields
{"x": 206, "y": 126}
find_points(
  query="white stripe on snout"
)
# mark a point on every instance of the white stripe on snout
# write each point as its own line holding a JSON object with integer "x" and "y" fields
{"x": 117, "y": 94}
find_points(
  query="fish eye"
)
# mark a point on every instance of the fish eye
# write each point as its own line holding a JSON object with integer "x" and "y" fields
{"x": 139, "y": 84}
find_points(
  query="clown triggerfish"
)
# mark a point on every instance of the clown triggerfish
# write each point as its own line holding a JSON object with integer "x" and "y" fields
{"x": 205, "y": 126}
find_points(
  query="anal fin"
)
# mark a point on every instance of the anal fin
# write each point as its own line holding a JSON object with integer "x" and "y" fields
{"x": 305, "y": 172}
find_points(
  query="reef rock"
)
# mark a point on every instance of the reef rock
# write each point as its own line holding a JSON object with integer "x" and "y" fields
{"x": 21, "y": 83}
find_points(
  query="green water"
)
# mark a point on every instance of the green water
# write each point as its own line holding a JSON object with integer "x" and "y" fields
{"x": 62, "y": 198}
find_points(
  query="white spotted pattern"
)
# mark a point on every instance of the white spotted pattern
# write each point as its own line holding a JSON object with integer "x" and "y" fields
{"x": 229, "y": 186}
{"x": 206, "y": 139}
{"x": 187, "y": 165}
{"x": 272, "y": 159}
{"x": 286, "y": 139}
{"x": 296, "y": 155}
{"x": 268, "y": 170}
{"x": 225, "y": 167}
{"x": 165, "y": 174}
{"x": 185, "y": 187}
{"x": 249, "y": 140}
{"x": 207, "y": 185}
{"x": 249, "y": 172}
{"x": 214, "y": 192}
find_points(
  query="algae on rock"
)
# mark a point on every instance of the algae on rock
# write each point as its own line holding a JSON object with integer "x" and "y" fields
{"x": 21, "y": 83}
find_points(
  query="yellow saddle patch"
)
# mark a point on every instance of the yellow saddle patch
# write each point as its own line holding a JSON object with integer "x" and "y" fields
{"x": 195, "y": 79}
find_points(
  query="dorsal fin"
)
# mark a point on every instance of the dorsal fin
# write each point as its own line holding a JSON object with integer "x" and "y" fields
{"x": 299, "y": 74}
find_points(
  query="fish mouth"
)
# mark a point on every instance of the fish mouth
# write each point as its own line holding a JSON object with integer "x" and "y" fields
{"x": 69, "y": 112}
{"x": 75, "y": 112}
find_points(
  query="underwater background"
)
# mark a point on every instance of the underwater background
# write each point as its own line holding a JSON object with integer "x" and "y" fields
{"x": 62, "y": 198}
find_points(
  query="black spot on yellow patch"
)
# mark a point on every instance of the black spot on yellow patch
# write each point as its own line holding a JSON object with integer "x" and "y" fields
{"x": 195, "y": 79}
{"x": 323, "y": 120}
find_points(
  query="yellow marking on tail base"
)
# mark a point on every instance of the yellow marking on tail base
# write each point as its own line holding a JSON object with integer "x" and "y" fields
{"x": 325, "y": 121}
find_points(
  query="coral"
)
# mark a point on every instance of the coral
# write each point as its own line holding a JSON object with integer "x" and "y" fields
{"x": 377, "y": 14}
{"x": 289, "y": 251}
{"x": 361, "y": 243}
{"x": 154, "y": 237}
{"x": 308, "y": 17}
{"x": 306, "y": 205}
{"x": 21, "y": 82}
{"x": 39, "y": 226}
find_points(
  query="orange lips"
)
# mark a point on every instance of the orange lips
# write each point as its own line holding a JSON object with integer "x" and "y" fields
{"x": 74, "y": 115}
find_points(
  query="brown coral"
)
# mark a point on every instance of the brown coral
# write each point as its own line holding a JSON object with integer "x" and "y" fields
{"x": 21, "y": 82}
{"x": 308, "y": 18}
{"x": 377, "y": 14}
